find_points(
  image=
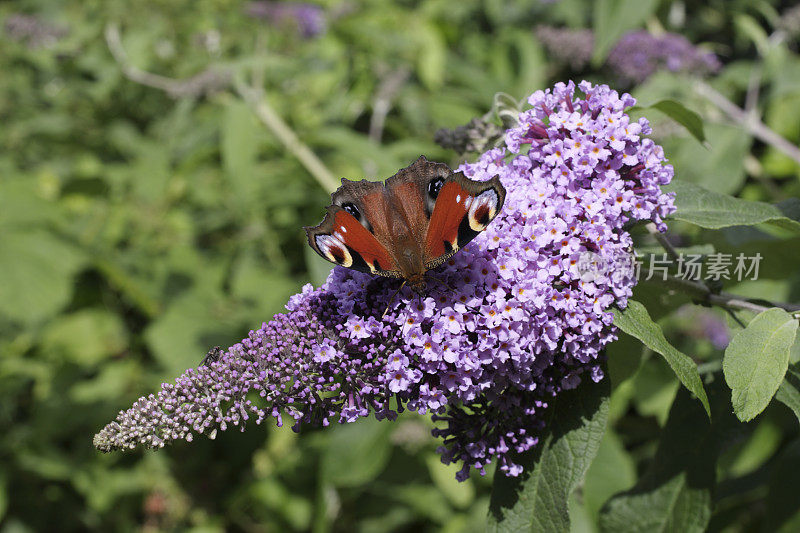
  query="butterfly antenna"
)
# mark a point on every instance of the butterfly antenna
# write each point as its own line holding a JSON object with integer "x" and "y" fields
{"x": 392, "y": 299}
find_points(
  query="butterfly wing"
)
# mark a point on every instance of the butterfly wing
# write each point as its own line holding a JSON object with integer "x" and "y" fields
{"x": 463, "y": 208}
{"x": 344, "y": 240}
{"x": 415, "y": 221}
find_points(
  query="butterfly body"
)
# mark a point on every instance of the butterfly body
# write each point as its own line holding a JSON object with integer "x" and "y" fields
{"x": 407, "y": 225}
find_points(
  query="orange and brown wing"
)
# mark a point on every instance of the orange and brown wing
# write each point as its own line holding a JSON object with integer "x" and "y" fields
{"x": 343, "y": 240}
{"x": 463, "y": 208}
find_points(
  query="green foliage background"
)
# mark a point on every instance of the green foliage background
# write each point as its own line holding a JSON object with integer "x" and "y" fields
{"x": 139, "y": 229}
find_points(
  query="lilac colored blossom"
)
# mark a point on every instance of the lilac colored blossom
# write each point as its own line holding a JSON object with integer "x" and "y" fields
{"x": 640, "y": 54}
{"x": 634, "y": 58}
{"x": 508, "y": 322}
{"x": 308, "y": 19}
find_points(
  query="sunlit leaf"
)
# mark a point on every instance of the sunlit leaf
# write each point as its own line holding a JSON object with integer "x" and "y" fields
{"x": 713, "y": 210}
{"x": 683, "y": 116}
{"x": 756, "y": 361}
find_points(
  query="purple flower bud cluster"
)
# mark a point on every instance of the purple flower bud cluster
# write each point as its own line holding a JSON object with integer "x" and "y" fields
{"x": 639, "y": 54}
{"x": 634, "y": 58}
{"x": 308, "y": 19}
{"x": 508, "y": 322}
{"x": 286, "y": 367}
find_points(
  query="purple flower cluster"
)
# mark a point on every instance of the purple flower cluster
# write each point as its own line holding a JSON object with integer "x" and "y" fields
{"x": 639, "y": 54}
{"x": 308, "y": 19}
{"x": 508, "y": 322}
{"x": 634, "y": 58}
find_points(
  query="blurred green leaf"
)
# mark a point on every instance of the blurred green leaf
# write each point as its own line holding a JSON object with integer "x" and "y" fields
{"x": 36, "y": 269}
{"x": 761, "y": 445}
{"x": 356, "y": 453}
{"x": 783, "y": 499}
{"x": 612, "y": 18}
{"x": 717, "y": 165}
{"x": 432, "y": 56}
{"x": 635, "y": 321}
{"x": 713, "y": 210}
{"x": 683, "y": 116}
{"x": 239, "y": 140}
{"x": 612, "y": 471}
{"x": 789, "y": 390}
{"x": 537, "y": 499}
{"x": 3, "y": 494}
{"x": 624, "y": 358}
{"x": 756, "y": 361}
{"x": 318, "y": 268}
{"x": 85, "y": 337}
{"x": 293, "y": 508}
{"x": 675, "y": 493}
{"x": 460, "y": 494}
{"x": 188, "y": 328}
{"x": 267, "y": 289}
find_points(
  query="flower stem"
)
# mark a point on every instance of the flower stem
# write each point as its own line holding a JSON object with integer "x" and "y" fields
{"x": 749, "y": 121}
{"x": 253, "y": 96}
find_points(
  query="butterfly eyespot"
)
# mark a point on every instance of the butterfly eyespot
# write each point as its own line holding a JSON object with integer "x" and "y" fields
{"x": 483, "y": 209}
{"x": 334, "y": 250}
{"x": 352, "y": 209}
{"x": 434, "y": 187}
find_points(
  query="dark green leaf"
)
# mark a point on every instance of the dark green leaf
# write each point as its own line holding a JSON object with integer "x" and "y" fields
{"x": 356, "y": 453}
{"x": 683, "y": 116}
{"x": 713, "y": 210}
{"x": 675, "y": 493}
{"x": 789, "y": 390}
{"x": 86, "y": 337}
{"x": 36, "y": 269}
{"x": 239, "y": 149}
{"x": 635, "y": 321}
{"x": 537, "y": 499}
{"x": 717, "y": 165}
{"x": 756, "y": 361}
{"x": 783, "y": 499}
{"x": 611, "y": 472}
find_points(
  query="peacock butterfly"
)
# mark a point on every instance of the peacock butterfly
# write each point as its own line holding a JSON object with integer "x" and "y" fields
{"x": 413, "y": 222}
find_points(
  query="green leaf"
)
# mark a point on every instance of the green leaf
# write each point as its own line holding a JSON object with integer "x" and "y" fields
{"x": 613, "y": 470}
{"x": 789, "y": 390}
{"x": 756, "y": 361}
{"x": 635, "y": 321}
{"x": 36, "y": 269}
{"x": 239, "y": 150}
{"x": 460, "y": 494}
{"x": 356, "y": 453}
{"x": 612, "y": 18}
{"x": 86, "y": 337}
{"x": 537, "y": 499}
{"x": 718, "y": 165}
{"x": 192, "y": 324}
{"x": 675, "y": 493}
{"x": 713, "y": 210}
{"x": 683, "y": 116}
{"x": 432, "y": 57}
{"x": 783, "y": 498}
